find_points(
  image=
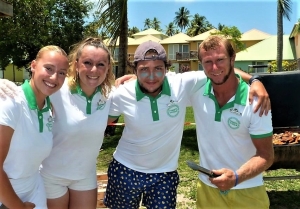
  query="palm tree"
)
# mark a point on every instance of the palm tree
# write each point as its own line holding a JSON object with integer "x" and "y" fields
{"x": 147, "y": 23}
{"x": 114, "y": 14}
{"x": 220, "y": 27}
{"x": 182, "y": 18}
{"x": 177, "y": 31}
{"x": 199, "y": 24}
{"x": 156, "y": 24}
{"x": 132, "y": 31}
{"x": 170, "y": 29}
{"x": 283, "y": 10}
{"x": 103, "y": 35}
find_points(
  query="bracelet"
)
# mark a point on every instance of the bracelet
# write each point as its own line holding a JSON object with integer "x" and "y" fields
{"x": 254, "y": 81}
{"x": 236, "y": 178}
{"x": 254, "y": 78}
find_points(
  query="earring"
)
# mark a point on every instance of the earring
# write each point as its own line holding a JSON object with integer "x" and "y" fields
{"x": 77, "y": 76}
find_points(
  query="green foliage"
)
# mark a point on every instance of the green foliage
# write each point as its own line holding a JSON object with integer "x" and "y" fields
{"x": 182, "y": 18}
{"x": 286, "y": 66}
{"x": 92, "y": 28}
{"x": 234, "y": 34}
{"x": 170, "y": 29}
{"x": 113, "y": 21}
{"x": 37, "y": 23}
{"x": 199, "y": 24}
{"x": 172, "y": 68}
{"x": 220, "y": 26}
{"x": 147, "y": 24}
{"x": 285, "y": 8}
{"x": 155, "y": 24}
{"x": 132, "y": 31}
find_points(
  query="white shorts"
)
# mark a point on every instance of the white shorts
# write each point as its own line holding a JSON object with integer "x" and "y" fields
{"x": 57, "y": 187}
{"x": 31, "y": 190}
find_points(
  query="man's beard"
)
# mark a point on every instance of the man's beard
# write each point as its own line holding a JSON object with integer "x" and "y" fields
{"x": 145, "y": 91}
{"x": 225, "y": 78}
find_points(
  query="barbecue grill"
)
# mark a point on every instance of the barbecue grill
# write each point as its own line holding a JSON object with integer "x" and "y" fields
{"x": 284, "y": 92}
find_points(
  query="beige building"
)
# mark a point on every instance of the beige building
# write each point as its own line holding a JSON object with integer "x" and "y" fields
{"x": 295, "y": 34}
{"x": 182, "y": 50}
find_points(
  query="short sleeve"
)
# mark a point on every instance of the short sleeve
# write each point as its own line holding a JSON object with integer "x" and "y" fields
{"x": 114, "y": 110}
{"x": 260, "y": 127}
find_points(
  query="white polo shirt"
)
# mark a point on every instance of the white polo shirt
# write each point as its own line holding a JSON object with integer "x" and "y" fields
{"x": 151, "y": 139}
{"x": 31, "y": 141}
{"x": 78, "y": 133}
{"x": 224, "y": 134}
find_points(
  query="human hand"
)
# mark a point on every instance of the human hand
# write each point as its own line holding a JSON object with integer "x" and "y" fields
{"x": 7, "y": 88}
{"x": 29, "y": 205}
{"x": 124, "y": 79}
{"x": 26, "y": 205}
{"x": 225, "y": 181}
{"x": 263, "y": 103}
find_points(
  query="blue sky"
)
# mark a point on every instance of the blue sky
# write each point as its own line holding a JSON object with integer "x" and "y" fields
{"x": 244, "y": 14}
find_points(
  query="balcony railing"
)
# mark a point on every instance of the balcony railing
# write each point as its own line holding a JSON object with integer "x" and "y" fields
{"x": 116, "y": 57}
{"x": 129, "y": 56}
{"x": 184, "y": 56}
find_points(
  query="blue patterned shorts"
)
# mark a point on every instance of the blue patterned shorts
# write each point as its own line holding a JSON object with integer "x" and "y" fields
{"x": 126, "y": 188}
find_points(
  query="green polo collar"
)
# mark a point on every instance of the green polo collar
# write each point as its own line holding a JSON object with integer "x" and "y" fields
{"x": 240, "y": 97}
{"x": 78, "y": 90}
{"x": 165, "y": 90}
{"x": 241, "y": 92}
{"x": 31, "y": 100}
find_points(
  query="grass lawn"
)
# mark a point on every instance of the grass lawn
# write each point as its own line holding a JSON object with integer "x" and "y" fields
{"x": 283, "y": 194}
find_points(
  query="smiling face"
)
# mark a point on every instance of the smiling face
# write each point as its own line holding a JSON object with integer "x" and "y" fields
{"x": 217, "y": 64}
{"x": 217, "y": 57}
{"x": 92, "y": 66}
{"x": 48, "y": 73}
{"x": 150, "y": 75}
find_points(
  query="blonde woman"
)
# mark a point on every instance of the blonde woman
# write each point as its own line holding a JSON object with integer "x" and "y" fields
{"x": 82, "y": 107}
{"x": 26, "y": 131}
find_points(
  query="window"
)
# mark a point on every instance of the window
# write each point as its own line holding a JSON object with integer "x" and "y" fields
{"x": 258, "y": 70}
{"x": 200, "y": 67}
{"x": 172, "y": 49}
{"x": 116, "y": 54}
{"x": 185, "y": 51}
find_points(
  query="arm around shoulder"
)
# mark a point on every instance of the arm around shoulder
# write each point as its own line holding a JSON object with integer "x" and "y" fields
{"x": 7, "y": 88}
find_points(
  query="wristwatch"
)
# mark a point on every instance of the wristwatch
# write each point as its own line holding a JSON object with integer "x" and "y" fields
{"x": 254, "y": 78}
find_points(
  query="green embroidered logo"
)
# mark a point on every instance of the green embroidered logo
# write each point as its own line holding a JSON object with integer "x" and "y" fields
{"x": 101, "y": 104}
{"x": 49, "y": 125}
{"x": 173, "y": 110}
{"x": 233, "y": 123}
{"x": 50, "y": 122}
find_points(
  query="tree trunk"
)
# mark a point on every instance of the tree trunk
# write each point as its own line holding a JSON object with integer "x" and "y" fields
{"x": 279, "y": 37}
{"x": 123, "y": 44}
